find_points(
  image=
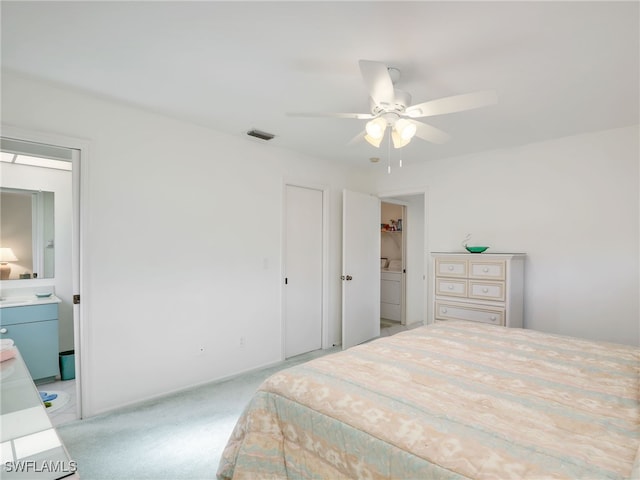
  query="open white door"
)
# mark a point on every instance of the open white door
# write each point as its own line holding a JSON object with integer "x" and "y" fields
{"x": 360, "y": 268}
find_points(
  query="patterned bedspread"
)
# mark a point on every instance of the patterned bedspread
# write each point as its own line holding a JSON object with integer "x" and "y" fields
{"x": 448, "y": 401}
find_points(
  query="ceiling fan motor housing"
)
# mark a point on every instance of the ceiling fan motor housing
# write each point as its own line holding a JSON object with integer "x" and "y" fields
{"x": 400, "y": 102}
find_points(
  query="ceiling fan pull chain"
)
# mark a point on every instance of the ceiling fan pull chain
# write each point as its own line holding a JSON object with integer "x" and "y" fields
{"x": 389, "y": 154}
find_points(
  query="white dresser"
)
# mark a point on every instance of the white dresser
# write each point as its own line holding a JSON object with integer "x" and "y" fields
{"x": 479, "y": 287}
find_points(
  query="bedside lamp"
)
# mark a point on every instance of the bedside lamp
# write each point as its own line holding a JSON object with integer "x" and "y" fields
{"x": 6, "y": 255}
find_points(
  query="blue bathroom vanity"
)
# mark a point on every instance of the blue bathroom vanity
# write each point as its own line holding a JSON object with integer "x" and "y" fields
{"x": 32, "y": 323}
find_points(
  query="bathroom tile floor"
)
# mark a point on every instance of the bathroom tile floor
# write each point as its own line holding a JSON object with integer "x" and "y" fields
{"x": 66, "y": 413}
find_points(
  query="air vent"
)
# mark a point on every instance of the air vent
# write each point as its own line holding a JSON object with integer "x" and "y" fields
{"x": 261, "y": 135}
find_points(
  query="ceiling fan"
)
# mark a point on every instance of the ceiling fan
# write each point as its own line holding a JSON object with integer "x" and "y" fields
{"x": 391, "y": 107}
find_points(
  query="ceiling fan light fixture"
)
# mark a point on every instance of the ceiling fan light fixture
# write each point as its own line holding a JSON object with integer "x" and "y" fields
{"x": 373, "y": 141}
{"x": 398, "y": 141}
{"x": 405, "y": 129}
{"x": 376, "y": 127}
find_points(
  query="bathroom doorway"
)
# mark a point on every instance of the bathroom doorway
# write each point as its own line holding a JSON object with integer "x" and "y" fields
{"x": 35, "y": 162}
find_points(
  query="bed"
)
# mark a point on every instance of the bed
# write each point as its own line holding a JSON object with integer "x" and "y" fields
{"x": 452, "y": 400}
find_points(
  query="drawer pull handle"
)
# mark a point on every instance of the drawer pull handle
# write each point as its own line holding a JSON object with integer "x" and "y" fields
{"x": 450, "y": 287}
{"x": 450, "y": 267}
{"x": 493, "y": 317}
{"x": 485, "y": 269}
{"x": 3, "y": 330}
{"x": 485, "y": 290}
{"x": 444, "y": 310}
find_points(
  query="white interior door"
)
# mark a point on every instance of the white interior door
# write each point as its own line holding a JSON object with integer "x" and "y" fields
{"x": 360, "y": 268}
{"x": 303, "y": 270}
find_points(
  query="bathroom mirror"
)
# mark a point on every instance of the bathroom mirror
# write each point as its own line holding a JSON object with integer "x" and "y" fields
{"x": 27, "y": 228}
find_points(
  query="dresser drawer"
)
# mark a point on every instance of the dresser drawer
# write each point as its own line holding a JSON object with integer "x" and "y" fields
{"x": 489, "y": 269}
{"x": 486, "y": 290}
{"x": 451, "y": 267}
{"x": 451, "y": 287}
{"x": 473, "y": 313}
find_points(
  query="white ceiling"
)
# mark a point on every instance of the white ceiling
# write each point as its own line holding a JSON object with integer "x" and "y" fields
{"x": 559, "y": 68}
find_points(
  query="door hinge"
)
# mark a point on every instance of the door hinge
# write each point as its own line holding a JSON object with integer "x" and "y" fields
{"x": 76, "y": 299}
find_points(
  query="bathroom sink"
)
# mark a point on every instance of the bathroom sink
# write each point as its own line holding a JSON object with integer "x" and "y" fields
{"x": 19, "y": 301}
{"x": 14, "y": 301}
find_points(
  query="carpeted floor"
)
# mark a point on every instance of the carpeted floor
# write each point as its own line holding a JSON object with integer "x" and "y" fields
{"x": 180, "y": 436}
{"x": 177, "y": 437}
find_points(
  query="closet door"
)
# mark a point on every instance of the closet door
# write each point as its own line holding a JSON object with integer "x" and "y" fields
{"x": 303, "y": 270}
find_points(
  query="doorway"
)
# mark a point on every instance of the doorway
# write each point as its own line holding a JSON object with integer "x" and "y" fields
{"x": 33, "y": 161}
{"x": 415, "y": 259}
{"x": 392, "y": 258}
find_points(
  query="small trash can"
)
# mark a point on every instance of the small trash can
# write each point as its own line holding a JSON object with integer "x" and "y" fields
{"x": 67, "y": 365}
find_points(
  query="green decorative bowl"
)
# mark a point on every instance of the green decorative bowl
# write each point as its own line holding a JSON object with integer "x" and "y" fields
{"x": 475, "y": 249}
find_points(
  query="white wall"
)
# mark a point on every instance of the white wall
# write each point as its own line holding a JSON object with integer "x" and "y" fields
{"x": 182, "y": 245}
{"x": 571, "y": 204}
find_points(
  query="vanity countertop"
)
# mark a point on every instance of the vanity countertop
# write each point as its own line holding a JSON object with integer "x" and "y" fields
{"x": 27, "y": 300}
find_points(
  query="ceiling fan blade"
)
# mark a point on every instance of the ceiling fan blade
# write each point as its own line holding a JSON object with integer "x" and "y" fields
{"x": 357, "y": 116}
{"x": 376, "y": 78}
{"x": 456, "y": 103}
{"x": 429, "y": 133}
{"x": 357, "y": 139}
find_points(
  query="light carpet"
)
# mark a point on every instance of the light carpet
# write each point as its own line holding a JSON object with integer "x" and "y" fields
{"x": 180, "y": 436}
